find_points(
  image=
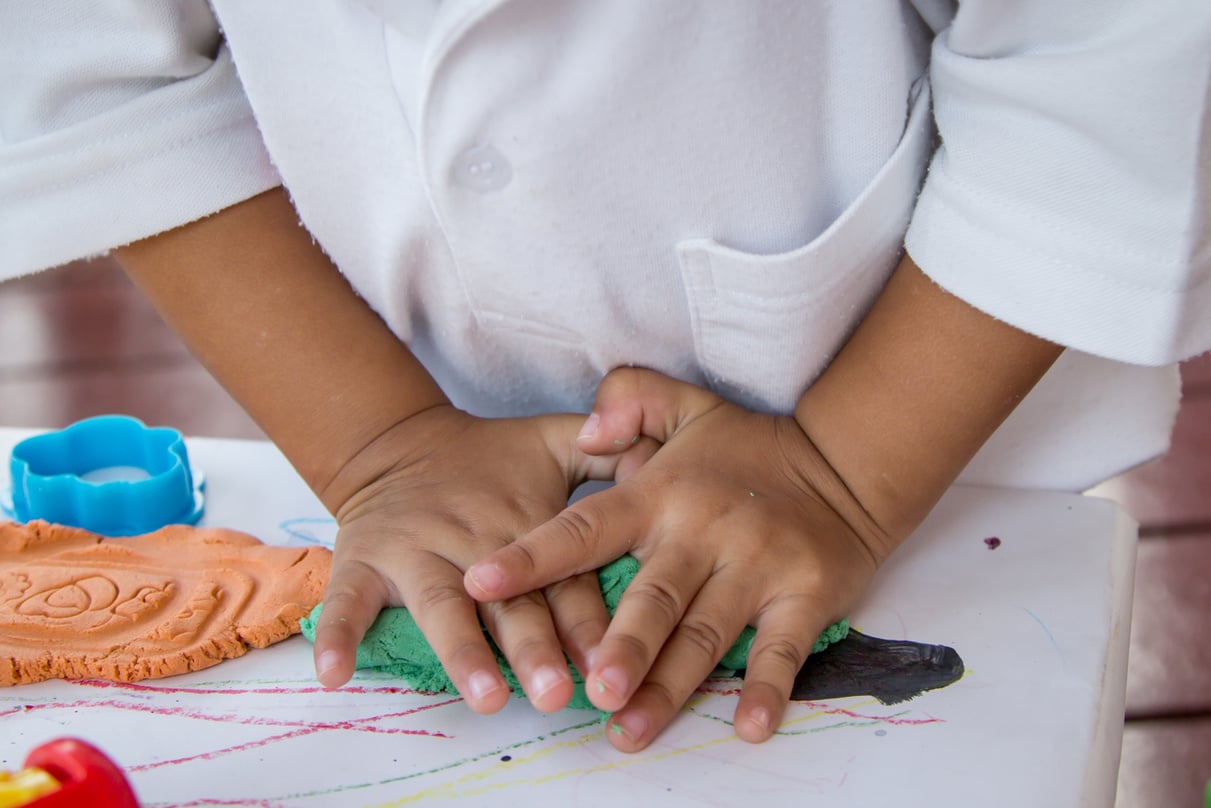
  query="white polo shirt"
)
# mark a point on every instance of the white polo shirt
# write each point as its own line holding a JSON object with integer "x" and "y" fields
{"x": 531, "y": 193}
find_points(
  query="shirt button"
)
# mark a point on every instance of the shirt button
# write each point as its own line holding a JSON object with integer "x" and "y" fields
{"x": 483, "y": 169}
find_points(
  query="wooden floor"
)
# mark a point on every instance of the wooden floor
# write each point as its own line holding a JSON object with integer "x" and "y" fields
{"x": 79, "y": 341}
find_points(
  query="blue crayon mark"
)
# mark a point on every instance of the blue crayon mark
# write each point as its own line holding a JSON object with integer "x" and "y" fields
{"x": 1050, "y": 636}
{"x": 301, "y": 530}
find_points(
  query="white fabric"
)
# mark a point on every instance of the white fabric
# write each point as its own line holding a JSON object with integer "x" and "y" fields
{"x": 118, "y": 120}
{"x": 1076, "y": 164}
{"x": 531, "y": 193}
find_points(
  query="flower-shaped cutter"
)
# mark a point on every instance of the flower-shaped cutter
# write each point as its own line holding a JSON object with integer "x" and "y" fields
{"x": 50, "y": 477}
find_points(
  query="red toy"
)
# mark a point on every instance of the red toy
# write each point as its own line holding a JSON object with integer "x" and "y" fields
{"x": 86, "y": 777}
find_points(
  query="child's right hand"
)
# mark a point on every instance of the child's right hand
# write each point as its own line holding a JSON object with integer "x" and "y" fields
{"x": 437, "y": 492}
{"x": 420, "y": 489}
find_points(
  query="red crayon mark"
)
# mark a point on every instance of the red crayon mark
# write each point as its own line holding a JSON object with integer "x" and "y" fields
{"x": 292, "y": 728}
{"x": 993, "y": 542}
{"x": 224, "y": 690}
{"x": 358, "y": 724}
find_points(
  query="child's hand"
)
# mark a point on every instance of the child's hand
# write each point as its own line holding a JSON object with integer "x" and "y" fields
{"x": 436, "y": 493}
{"x": 737, "y": 520}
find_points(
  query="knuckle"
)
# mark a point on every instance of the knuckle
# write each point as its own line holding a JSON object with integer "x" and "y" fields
{"x": 586, "y": 627}
{"x": 782, "y": 652}
{"x": 704, "y": 636}
{"x": 633, "y": 647}
{"x": 521, "y": 556}
{"x": 531, "y": 651}
{"x": 576, "y": 528}
{"x": 529, "y": 601}
{"x": 341, "y": 599}
{"x": 568, "y": 590}
{"x": 439, "y": 593}
{"x": 664, "y": 695}
{"x": 355, "y": 581}
{"x": 524, "y": 604}
{"x": 657, "y": 595}
{"x": 463, "y": 654}
{"x": 576, "y": 603}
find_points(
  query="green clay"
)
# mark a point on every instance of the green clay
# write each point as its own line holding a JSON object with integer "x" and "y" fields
{"x": 395, "y": 644}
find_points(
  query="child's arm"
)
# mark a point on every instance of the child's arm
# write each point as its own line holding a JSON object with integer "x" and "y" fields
{"x": 777, "y": 522}
{"x": 420, "y": 490}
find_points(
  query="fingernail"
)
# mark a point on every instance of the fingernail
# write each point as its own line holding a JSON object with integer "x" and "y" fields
{"x": 544, "y": 679}
{"x": 590, "y": 427}
{"x": 759, "y": 717}
{"x": 326, "y": 662}
{"x": 633, "y": 725}
{"x": 487, "y": 577}
{"x": 614, "y": 680}
{"x": 482, "y": 684}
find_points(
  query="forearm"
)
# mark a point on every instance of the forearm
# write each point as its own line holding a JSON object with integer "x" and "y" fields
{"x": 920, "y": 386}
{"x": 263, "y": 308}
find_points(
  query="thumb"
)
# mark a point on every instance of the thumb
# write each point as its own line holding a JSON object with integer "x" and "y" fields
{"x": 634, "y": 403}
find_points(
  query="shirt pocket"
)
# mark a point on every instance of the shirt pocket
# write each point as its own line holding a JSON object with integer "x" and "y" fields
{"x": 765, "y": 326}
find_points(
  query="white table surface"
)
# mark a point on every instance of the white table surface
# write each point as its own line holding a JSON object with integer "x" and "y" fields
{"x": 1041, "y": 623}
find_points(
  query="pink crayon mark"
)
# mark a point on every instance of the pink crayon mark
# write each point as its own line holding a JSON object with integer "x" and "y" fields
{"x": 993, "y": 542}
{"x": 894, "y": 721}
{"x": 305, "y": 729}
{"x": 296, "y": 728}
{"x": 229, "y": 718}
{"x": 103, "y": 684}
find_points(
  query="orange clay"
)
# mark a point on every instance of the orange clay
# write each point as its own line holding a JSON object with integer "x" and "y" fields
{"x": 77, "y": 605}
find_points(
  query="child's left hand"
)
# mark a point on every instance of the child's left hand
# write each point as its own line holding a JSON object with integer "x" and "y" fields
{"x": 738, "y": 519}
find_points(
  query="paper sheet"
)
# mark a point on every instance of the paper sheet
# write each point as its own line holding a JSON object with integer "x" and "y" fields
{"x": 1041, "y": 623}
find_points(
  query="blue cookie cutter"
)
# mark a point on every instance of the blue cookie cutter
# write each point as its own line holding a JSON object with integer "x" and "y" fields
{"x": 66, "y": 477}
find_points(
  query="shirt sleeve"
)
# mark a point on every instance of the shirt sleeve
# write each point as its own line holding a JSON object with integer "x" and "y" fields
{"x": 1071, "y": 192}
{"x": 118, "y": 120}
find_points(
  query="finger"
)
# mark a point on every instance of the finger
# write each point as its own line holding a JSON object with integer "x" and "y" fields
{"x": 786, "y": 633}
{"x": 634, "y": 402}
{"x": 579, "y": 539}
{"x": 580, "y": 616}
{"x": 352, "y": 600}
{"x": 709, "y": 627}
{"x": 648, "y": 614}
{"x": 525, "y": 634}
{"x": 434, "y": 595}
{"x": 617, "y": 465}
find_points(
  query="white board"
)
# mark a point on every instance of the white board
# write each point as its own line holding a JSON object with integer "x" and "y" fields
{"x": 1041, "y": 623}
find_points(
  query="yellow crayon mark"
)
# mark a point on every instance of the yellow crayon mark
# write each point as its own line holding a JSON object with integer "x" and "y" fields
{"x": 471, "y": 785}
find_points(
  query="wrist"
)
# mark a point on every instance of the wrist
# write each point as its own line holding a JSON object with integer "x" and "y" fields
{"x": 276, "y": 323}
{"x": 920, "y": 386}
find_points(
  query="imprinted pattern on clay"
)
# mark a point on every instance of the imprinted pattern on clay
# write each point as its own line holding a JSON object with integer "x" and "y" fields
{"x": 77, "y": 605}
